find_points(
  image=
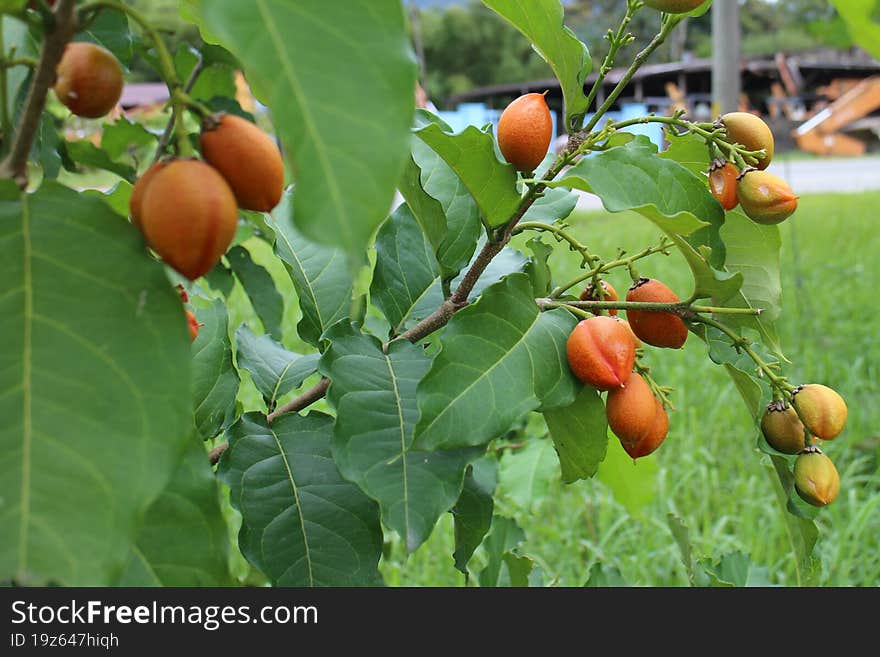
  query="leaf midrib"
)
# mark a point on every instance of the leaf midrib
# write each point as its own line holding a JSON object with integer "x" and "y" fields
{"x": 27, "y": 424}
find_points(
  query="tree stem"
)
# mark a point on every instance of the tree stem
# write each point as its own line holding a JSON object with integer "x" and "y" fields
{"x": 15, "y": 164}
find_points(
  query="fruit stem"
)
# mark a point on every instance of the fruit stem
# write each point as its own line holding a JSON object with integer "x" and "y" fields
{"x": 744, "y": 344}
{"x": 659, "y": 391}
{"x": 659, "y": 38}
{"x": 15, "y": 164}
{"x": 175, "y": 110}
{"x": 679, "y": 308}
{"x": 561, "y": 235}
{"x": 663, "y": 247}
{"x": 617, "y": 40}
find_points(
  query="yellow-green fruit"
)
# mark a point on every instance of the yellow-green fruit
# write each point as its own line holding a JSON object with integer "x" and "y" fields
{"x": 88, "y": 79}
{"x": 750, "y": 131}
{"x": 674, "y": 6}
{"x": 783, "y": 429}
{"x": 821, "y": 409}
{"x": 815, "y": 478}
{"x": 766, "y": 199}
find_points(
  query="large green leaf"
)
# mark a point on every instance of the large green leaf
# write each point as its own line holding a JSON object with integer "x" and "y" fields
{"x": 406, "y": 280}
{"x": 183, "y": 540}
{"x": 525, "y": 475}
{"x": 16, "y": 35}
{"x": 123, "y": 135}
{"x": 500, "y": 359}
{"x": 260, "y": 289}
{"x": 632, "y": 177}
{"x": 214, "y": 378}
{"x": 472, "y": 513}
{"x": 94, "y": 386}
{"x": 84, "y": 152}
{"x": 302, "y": 524}
{"x": 580, "y": 433}
{"x": 274, "y": 370}
{"x": 471, "y": 154}
{"x": 347, "y": 142}
{"x": 319, "y": 274}
{"x": 111, "y": 30}
{"x": 503, "y": 564}
{"x": 374, "y": 393}
{"x": 633, "y": 483}
{"x": 462, "y": 214}
{"x": 541, "y": 21}
{"x": 689, "y": 150}
{"x": 426, "y": 210}
{"x": 861, "y": 21}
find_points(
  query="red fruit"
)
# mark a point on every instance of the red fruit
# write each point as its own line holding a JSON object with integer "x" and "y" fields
{"x": 135, "y": 202}
{"x": 766, "y": 199}
{"x": 601, "y": 352}
{"x": 88, "y": 79}
{"x": 525, "y": 130}
{"x": 821, "y": 409}
{"x": 248, "y": 159}
{"x": 193, "y": 325}
{"x": 654, "y": 327}
{"x": 608, "y": 293}
{"x": 189, "y": 216}
{"x": 651, "y": 440}
{"x": 635, "y": 338}
{"x": 631, "y": 410}
{"x": 722, "y": 184}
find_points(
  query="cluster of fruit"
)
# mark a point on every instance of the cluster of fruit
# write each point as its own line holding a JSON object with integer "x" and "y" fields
{"x": 187, "y": 209}
{"x": 601, "y": 352}
{"x": 815, "y": 411}
{"x": 763, "y": 197}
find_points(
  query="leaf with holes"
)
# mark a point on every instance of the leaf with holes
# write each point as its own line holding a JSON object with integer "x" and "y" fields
{"x": 303, "y": 524}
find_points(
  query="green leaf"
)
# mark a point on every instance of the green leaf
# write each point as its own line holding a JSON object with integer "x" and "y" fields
{"x": 682, "y": 536}
{"x": 541, "y": 21}
{"x": 374, "y": 393}
{"x": 426, "y": 210}
{"x": 302, "y": 524}
{"x": 505, "y": 537}
{"x": 689, "y": 150}
{"x": 537, "y": 268}
{"x": 46, "y": 146}
{"x": 406, "y": 279}
{"x": 214, "y": 377}
{"x": 215, "y": 79}
{"x": 604, "y": 576}
{"x": 319, "y": 273}
{"x": 552, "y": 206}
{"x": 580, "y": 433}
{"x": 463, "y": 225}
{"x": 633, "y": 484}
{"x": 348, "y": 143}
{"x": 471, "y": 154}
{"x": 12, "y": 6}
{"x": 274, "y": 370}
{"x": 220, "y": 278}
{"x": 861, "y": 22}
{"x": 123, "y": 136}
{"x": 524, "y": 475}
{"x": 260, "y": 289}
{"x": 508, "y": 261}
{"x": 183, "y": 540}
{"x": 632, "y": 177}
{"x": 111, "y": 30}
{"x": 86, "y": 153}
{"x": 472, "y": 513}
{"x": 94, "y": 387}
{"x": 17, "y": 35}
{"x": 117, "y": 197}
{"x": 500, "y": 359}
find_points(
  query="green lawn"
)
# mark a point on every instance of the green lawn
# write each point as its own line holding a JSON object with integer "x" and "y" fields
{"x": 708, "y": 472}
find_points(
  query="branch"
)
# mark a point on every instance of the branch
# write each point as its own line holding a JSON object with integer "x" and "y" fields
{"x": 307, "y": 398}
{"x": 169, "y": 127}
{"x": 682, "y": 309}
{"x": 15, "y": 164}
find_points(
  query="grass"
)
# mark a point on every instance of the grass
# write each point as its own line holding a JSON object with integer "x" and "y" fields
{"x": 709, "y": 472}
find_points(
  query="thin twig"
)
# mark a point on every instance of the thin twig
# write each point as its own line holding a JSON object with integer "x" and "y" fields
{"x": 307, "y": 398}
{"x": 15, "y": 164}
{"x": 169, "y": 127}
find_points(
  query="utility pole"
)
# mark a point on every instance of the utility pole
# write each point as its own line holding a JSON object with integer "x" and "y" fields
{"x": 726, "y": 82}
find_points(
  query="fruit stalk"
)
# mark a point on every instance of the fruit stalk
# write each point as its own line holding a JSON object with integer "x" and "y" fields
{"x": 15, "y": 164}
{"x": 679, "y": 308}
{"x": 175, "y": 109}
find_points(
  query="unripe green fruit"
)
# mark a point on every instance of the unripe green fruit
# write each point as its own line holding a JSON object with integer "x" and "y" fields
{"x": 821, "y": 409}
{"x": 766, "y": 199}
{"x": 654, "y": 327}
{"x": 631, "y": 410}
{"x": 750, "y": 131}
{"x": 525, "y": 130}
{"x": 601, "y": 352}
{"x": 674, "y": 6}
{"x": 783, "y": 429}
{"x": 815, "y": 478}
